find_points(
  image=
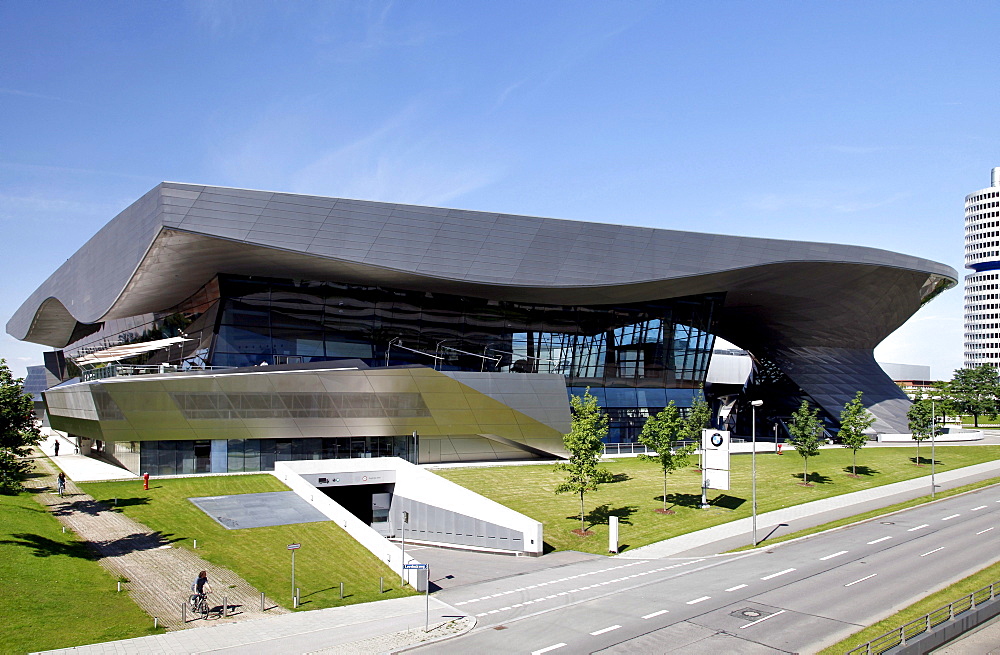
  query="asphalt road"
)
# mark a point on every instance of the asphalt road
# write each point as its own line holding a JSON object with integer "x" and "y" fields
{"x": 795, "y": 597}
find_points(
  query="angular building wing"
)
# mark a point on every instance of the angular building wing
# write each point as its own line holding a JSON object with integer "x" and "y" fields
{"x": 236, "y": 278}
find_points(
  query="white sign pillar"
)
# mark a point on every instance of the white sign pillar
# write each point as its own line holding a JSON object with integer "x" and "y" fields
{"x": 613, "y": 534}
{"x": 715, "y": 467}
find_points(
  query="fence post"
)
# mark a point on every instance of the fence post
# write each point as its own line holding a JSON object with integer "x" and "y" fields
{"x": 972, "y": 601}
{"x": 341, "y": 591}
{"x": 902, "y": 636}
{"x": 184, "y": 612}
{"x": 381, "y": 582}
{"x": 262, "y": 601}
{"x": 225, "y": 605}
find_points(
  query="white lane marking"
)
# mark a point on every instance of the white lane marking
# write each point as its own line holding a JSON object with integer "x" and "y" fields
{"x": 649, "y": 616}
{"x": 763, "y": 619}
{"x": 976, "y": 509}
{"x": 861, "y": 580}
{"x": 739, "y": 586}
{"x": 931, "y": 552}
{"x": 878, "y": 540}
{"x": 837, "y": 554}
{"x": 462, "y": 603}
{"x": 603, "y": 630}
{"x": 986, "y": 530}
{"x": 548, "y": 648}
{"x": 698, "y": 600}
{"x": 504, "y": 609}
{"x": 775, "y": 575}
{"x": 948, "y": 518}
{"x": 925, "y": 525}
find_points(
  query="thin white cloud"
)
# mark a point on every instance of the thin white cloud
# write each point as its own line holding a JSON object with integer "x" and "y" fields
{"x": 858, "y": 150}
{"x": 29, "y": 94}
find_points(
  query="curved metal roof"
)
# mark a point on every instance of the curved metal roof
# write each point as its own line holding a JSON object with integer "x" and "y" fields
{"x": 166, "y": 245}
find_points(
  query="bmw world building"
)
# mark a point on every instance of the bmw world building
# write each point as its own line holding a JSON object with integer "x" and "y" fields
{"x": 209, "y": 329}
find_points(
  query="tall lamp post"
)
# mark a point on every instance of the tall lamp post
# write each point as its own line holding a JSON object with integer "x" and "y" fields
{"x": 754, "y": 404}
{"x": 933, "y": 435}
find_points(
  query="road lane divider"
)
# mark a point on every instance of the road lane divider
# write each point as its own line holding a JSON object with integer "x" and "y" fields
{"x": 878, "y": 540}
{"x": 603, "y": 630}
{"x": 976, "y": 509}
{"x": 925, "y": 525}
{"x": 655, "y": 614}
{"x": 739, "y": 586}
{"x": 861, "y": 580}
{"x": 540, "y": 651}
{"x": 837, "y": 554}
{"x": 931, "y": 552}
{"x": 770, "y": 616}
{"x": 698, "y": 600}
{"x": 948, "y": 518}
{"x": 775, "y": 575}
{"x": 986, "y": 530}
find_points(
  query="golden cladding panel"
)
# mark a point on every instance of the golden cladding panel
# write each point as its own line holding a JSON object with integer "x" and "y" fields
{"x": 455, "y": 400}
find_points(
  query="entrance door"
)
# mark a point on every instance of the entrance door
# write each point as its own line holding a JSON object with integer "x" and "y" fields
{"x": 203, "y": 456}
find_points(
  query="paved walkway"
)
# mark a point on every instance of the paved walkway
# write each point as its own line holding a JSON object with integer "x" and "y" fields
{"x": 158, "y": 575}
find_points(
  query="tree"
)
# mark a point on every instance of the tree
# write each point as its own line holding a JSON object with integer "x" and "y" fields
{"x": 697, "y": 419}
{"x": 18, "y": 432}
{"x": 921, "y": 421}
{"x": 584, "y": 443}
{"x": 805, "y": 429}
{"x": 661, "y": 433}
{"x": 975, "y": 390}
{"x": 854, "y": 420}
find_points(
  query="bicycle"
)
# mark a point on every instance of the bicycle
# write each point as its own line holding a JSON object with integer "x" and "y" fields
{"x": 199, "y": 605}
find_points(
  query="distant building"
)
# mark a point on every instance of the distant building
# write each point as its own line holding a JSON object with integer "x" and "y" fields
{"x": 982, "y": 286}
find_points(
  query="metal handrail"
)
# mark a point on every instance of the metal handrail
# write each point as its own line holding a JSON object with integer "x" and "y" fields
{"x": 927, "y": 622}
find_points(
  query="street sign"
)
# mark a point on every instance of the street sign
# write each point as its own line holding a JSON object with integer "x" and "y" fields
{"x": 414, "y": 566}
{"x": 294, "y": 546}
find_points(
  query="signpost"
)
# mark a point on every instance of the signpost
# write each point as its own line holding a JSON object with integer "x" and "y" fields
{"x": 427, "y": 590}
{"x": 293, "y": 548}
{"x": 715, "y": 467}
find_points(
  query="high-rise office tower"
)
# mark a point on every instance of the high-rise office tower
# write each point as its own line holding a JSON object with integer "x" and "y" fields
{"x": 982, "y": 286}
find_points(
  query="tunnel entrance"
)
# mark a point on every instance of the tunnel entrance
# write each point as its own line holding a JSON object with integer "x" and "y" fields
{"x": 368, "y": 502}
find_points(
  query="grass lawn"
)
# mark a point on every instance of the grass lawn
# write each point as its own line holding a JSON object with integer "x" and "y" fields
{"x": 328, "y": 555}
{"x": 531, "y": 491}
{"x": 54, "y": 594}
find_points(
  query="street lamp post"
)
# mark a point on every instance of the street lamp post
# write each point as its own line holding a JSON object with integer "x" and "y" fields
{"x": 933, "y": 435}
{"x": 754, "y": 404}
{"x": 416, "y": 451}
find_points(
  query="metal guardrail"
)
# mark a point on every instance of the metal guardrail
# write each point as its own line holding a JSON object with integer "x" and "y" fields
{"x": 927, "y": 622}
{"x": 119, "y": 370}
{"x": 625, "y": 449}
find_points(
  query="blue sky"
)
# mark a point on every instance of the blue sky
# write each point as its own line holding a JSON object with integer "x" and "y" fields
{"x": 852, "y": 122}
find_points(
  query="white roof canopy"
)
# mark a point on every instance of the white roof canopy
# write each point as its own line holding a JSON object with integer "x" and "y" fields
{"x": 117, "y": 353}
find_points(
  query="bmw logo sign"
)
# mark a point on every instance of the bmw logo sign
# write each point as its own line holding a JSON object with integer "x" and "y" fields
{"x": 717, "y": 439}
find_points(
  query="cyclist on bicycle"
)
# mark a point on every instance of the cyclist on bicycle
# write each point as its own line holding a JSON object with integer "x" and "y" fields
{"x": 200, "y": 588}
{"x": 61, "y": 483}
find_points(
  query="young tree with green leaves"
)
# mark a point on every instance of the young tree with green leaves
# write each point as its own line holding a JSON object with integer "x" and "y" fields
{"x": 697, "y": 419}
{"x": 805, "y": 429}
{"x": 975, "y": 391}
{"x": 661, "y": 433}
{"x": 18, "y": 431}
{"x": 921, "y": 420}
{"x": 585, "y": 445}
{"x": 854, "y": 420}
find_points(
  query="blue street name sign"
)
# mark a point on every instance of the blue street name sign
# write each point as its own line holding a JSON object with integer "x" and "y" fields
{"x": 414, "y": 566}
{"x": 294, "y": 546}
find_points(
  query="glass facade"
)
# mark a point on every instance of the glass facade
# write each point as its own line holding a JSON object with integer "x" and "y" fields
{"x": 184, "y": 457}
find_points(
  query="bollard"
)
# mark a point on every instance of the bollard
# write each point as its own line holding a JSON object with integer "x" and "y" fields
{"x": 298, "y": 596}
{"x": 195, "y": 544}
{"x": 64, "y": 529}
{"x": 381, "y": 588}
{"x": 119, "y": 586}
{"x": 295, "y": 602}
{"x": 184, "y": 612}
{"x": 341, "y": 591}
{"x": 116, "y": 501}
{"x": 262, "y": 601}
{"x": 225, "y": 606}
{"x": 156, "y": 622}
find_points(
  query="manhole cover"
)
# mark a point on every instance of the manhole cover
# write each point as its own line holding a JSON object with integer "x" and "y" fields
{"x": 750, "y": 613}
{"x": 887, "y": 522}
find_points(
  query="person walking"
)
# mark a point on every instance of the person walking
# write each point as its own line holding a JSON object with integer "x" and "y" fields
{"x": 57, "y": 447}
{"x": 61, "y": 483}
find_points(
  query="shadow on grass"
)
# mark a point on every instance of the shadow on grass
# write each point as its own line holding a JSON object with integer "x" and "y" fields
{"x": 923, "y": 461}
{"x": 601, "y": 514}
{"x": 620, "y": 477}
{"x": 95, "y": 507}
{"x": 45, "y": 547}
{"x": 726, "y": 501}
{"x": 135, "y": 542}
{"x": 862, "y": 470}
{"x": 815, "y": 477}
{"x": 682, "y": 500}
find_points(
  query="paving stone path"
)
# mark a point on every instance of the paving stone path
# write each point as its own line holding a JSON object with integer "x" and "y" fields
{"x": 159, "y": 575}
